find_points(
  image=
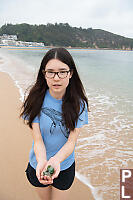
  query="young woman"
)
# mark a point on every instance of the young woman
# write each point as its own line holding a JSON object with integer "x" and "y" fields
{"x": 55, "y": 110}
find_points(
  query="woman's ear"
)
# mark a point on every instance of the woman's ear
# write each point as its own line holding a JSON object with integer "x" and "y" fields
{"x": 43, "y": 71}
{"x": 71, "y": 73}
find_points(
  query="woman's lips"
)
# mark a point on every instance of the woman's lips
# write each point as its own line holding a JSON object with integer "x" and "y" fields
{"x": 56, "y": 85}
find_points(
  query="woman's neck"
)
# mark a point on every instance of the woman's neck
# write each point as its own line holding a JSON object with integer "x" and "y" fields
{"x": 56, "y": 95}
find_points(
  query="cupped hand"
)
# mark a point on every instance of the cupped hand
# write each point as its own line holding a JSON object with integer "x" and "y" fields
{"x": 56, "y": 165}
{"x": 40, "y": 167}
{"x": 45, "y": 180}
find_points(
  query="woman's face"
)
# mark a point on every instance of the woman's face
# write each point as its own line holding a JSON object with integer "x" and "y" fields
{"x": 57, "y": 86}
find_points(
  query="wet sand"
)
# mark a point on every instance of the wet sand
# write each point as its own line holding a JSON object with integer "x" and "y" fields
{"x": 15, "y": 144}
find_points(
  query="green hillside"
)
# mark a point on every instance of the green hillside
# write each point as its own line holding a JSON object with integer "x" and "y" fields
{"x": 67, "y": 36}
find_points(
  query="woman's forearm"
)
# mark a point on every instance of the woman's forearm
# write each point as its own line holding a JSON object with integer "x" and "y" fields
{"x": 40, "y": 151}
{"x": 65, "y": 151}
{"x": 68, "y": 147}
{"x": 39, "y": 147}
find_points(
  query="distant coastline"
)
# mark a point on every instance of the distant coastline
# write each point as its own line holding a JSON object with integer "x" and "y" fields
{"x": 54, "y": 35}
{"x": 49, "y": 47}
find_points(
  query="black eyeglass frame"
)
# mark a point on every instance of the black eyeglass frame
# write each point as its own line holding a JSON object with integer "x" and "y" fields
{"x": 44, "y": 73}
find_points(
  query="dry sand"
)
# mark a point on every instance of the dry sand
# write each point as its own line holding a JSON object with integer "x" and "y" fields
{"x": 15, "y": 144}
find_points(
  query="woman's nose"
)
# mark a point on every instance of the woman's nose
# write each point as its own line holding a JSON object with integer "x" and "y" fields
{"x": 56, "y": 77}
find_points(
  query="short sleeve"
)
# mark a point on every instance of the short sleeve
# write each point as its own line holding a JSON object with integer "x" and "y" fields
{"x": 83, "y": 117}
{"x": 36, "y": 119}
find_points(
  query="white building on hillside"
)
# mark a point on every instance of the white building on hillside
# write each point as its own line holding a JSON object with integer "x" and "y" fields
{"x": 8, "y": 37}
{"x": 11, "y": 40}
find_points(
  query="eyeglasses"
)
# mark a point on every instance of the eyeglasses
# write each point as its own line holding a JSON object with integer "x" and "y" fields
{"x": 61, "y": 74}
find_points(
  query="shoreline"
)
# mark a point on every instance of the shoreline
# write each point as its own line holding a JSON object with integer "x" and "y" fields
{"x": 98, "y": 168}
{"x": 49, "y": 47}
{"x": 10, "y": 91}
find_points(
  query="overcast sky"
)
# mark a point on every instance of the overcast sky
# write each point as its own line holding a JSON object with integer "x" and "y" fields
{"x": 111, "y": 15}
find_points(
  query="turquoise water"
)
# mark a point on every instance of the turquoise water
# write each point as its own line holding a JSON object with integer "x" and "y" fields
{"x": 111, "y": 71}
{"x": 105, "y": 145}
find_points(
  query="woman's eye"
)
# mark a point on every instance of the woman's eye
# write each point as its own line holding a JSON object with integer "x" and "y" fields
{"x": 63, "y": 72}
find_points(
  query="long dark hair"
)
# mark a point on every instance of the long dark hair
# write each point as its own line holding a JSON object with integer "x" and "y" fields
{"x": 72, "y": 98}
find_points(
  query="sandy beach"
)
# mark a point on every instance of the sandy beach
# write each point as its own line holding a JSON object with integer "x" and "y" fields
{"x": 15, "y": 145}
{"x": 103, "y": 147}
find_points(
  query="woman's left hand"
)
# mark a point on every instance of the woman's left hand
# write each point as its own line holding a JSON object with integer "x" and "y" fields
{"x": 55, "y": 164}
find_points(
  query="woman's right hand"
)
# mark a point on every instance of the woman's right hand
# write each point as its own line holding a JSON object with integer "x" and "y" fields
{"x": 39, "y": 169}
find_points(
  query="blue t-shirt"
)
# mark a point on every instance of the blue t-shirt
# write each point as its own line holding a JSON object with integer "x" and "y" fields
{"x": 53, "y": 130}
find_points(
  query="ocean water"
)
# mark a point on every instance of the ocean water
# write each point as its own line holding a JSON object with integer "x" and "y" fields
{"x": 106, "y": 144}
